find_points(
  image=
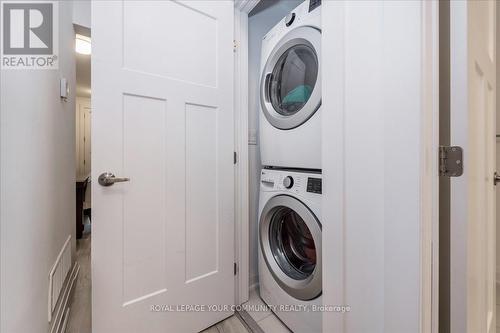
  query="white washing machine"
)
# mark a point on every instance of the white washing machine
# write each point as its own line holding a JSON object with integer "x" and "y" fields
{"x": 290, "y": 90}
{"x": 290, "y": 247}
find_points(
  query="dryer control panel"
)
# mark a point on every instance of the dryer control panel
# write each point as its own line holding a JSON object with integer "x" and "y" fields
{"x": 314, "y": 185}
{"x": 313, "y": 4}
{"x": 291, "y": 181}
{"x": 307, "y": 13}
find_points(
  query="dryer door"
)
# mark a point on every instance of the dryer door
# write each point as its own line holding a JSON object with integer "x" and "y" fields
{"x": 290, "y": 240}
{"x": 291, "y": 83}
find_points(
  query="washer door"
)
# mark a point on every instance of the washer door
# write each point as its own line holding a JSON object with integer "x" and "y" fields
{"x": 290, "y": 239}
{"x": 290, "y": 82}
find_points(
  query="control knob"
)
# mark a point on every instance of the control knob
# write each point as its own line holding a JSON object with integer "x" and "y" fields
{"x": 288, "y": 182}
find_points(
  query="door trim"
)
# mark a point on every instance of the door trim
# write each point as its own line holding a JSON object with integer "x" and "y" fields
{"x": 241, "y": 229}
{"x": 429, "y": 181}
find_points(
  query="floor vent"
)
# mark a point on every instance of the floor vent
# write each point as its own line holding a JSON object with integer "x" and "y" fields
{"x": 60, "y": 316}
{"x": 58, "y": 275}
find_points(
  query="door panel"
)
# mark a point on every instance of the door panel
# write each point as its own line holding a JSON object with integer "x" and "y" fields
{"x": 173, "y": 51}
{"x": 201, "y": 208}
{"x": 83, "y": 134}
{"x": 162, "y": 116}
{"x": 144, "y": 267}
{"x": 472, "y": 228}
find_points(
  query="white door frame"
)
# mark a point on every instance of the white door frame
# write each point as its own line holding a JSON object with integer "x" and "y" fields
{"x": 241, "y": 10}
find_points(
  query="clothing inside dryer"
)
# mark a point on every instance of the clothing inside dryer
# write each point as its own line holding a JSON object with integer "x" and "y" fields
{"x": 293, "y": 79}
{"x": 292, "y": 244}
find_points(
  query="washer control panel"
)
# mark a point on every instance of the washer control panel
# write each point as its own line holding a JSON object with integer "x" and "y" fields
{"x": 291, "y": 181}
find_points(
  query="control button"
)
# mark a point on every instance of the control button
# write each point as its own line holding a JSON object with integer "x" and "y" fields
{"x": 288, "y": 182}
{"x": 289, "y": 19}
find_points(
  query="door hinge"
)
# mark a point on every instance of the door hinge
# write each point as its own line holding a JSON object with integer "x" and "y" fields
{"x": 496, "y": 178}
{"x": 235, "y": 268}
{"x": 235, "y": 45}
{"x": 235, "y": 158}
{"x": 451, "y": 161}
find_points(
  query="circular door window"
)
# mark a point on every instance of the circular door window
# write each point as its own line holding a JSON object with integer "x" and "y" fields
{"x": 292, "y": 244}
{"x": 293, "y": 79}
{"x": 290, "y": 241}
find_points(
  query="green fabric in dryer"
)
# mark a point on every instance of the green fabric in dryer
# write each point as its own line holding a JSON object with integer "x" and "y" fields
{"x": 299, "y": 94}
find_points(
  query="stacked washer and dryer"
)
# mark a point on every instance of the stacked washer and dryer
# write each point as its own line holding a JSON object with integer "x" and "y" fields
{"x": 290, "y": 188}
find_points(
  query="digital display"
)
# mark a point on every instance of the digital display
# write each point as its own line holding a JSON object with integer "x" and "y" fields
{"x": 314, "y": 4}
{"x": 314, "y": 185}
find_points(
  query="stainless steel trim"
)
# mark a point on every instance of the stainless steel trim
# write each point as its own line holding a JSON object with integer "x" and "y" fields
{"x": 302, "y": 35}
{"x": 310, "y": 287}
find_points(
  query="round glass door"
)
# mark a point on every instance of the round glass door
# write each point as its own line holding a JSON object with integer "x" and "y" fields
{"x": 291, "y": 80}
{"x": 290, "y": 239}
{"x": 292, "y": 244}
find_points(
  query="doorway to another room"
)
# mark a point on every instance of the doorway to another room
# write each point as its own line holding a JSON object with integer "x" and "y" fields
{"x": 80, "y": 319}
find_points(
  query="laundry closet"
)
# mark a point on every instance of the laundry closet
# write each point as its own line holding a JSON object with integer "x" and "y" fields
{"x": 284, "y": 100}
{"x": 339, "y": 198}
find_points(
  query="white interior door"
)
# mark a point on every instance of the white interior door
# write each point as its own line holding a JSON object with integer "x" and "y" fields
{"x": 379, "y": 69}
{"x": 473, "y": 88}
{"x": 83, "y": 141}
{"x": 162, "y": 97}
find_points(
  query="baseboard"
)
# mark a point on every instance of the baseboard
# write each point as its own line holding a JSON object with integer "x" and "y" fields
{"x": 58, "y": 276}
{"x": 61, "y": 312}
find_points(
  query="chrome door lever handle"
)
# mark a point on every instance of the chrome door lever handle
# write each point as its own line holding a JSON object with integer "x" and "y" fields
{"x": 496, "y": 178}
{"x": 108, "y": 179}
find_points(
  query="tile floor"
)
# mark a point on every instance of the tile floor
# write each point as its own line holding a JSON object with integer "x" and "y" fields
{"x": 267, "y": 320}
{"x": 230, "y": 325}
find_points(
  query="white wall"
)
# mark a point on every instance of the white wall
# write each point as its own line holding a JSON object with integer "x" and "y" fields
{"x": 259, "y": 24}
{"x": 37, "y": 183}
{"x": 81, "y": 13}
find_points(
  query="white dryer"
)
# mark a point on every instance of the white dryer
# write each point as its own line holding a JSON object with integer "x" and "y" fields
{"x": 290, "y": 247}
{"x": 290, "y": 90}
